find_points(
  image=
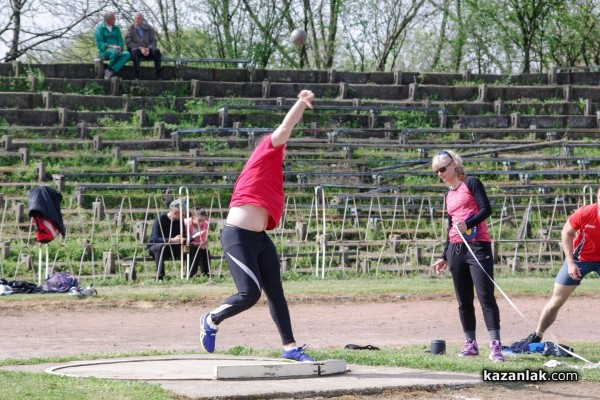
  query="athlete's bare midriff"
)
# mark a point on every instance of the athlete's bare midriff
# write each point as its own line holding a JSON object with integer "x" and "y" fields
{"x": 248, "y": 216}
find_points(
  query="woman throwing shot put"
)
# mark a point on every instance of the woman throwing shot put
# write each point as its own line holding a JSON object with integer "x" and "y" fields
{"x": 256, "y": 205}
{"x": 468, "y": 207}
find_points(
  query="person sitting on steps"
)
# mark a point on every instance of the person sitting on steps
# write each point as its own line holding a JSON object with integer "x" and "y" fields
{"x": 109, "y": 41}
{"x": 197, "y": 229}
{"x": 141, "y": 40}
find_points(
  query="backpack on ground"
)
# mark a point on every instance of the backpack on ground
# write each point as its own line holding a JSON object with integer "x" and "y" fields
{"x": 60, "y": 282}
{"x": 552, "y": 349}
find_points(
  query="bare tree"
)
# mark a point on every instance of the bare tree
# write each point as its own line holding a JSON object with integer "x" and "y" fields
{"x": 319, "y": 18}
{"x": 228, "y": 27}
{"x": 380, "y": 25}
{"x": 518, "y": 22}
{"x": 574, "y": 36}
{"x": 460, "y": 39}
{"x": 530, "y": 16}
{"x": 484, "y": 35}
{"x": 268, "y": 17}
{"x": 322, "y": 20}
{"x": 31, "y": 27}
{"x": 442, "y": 39}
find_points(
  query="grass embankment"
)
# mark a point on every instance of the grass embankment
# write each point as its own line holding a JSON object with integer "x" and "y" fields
{"x": 307, "y": 289}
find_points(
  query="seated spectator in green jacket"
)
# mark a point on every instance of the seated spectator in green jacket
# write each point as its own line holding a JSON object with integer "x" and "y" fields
{"x": 141, "y": 41}
{"x": 109, "y": 41}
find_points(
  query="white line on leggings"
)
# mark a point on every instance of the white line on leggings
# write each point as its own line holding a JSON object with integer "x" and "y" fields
{"x": 247, "y": 270}
{"x": 510, "y": 301}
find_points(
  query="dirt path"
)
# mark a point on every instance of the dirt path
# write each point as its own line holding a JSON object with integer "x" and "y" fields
{"x": 88, "y": 327}
{"x": 61, "y": 328}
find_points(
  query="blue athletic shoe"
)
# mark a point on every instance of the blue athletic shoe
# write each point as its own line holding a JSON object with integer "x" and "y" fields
{"x": 207, "y": 334}
{"x": 297, "y": 354}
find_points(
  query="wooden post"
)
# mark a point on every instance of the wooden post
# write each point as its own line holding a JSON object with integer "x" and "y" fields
{"x": 108, "y": 261}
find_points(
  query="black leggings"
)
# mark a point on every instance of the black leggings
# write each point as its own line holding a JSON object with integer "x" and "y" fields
{"x": 254, "y": 264}
{"x": 466, "y": 273}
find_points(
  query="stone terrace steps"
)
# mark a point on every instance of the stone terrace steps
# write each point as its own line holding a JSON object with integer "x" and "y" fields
{"x": 47, "y": 100}
{"x": 266, "y": 89}
{"x": 528, "y": 135}
{"x": 88, "y": 71}
{"x": 410, "y": 138}
{"x": 63, "y": 118}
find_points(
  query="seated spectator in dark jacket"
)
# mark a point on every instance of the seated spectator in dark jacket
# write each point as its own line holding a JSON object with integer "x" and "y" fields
{"x": 166, "y": 240}
{"x": 141, "y": 41}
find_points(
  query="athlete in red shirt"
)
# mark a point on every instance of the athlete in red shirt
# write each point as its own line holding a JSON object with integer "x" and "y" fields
{"x": 581, "y": 243}
{"x": 256, "y": 205}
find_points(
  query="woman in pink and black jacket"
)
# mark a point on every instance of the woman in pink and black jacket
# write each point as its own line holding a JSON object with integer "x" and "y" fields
{"x": 468, "y": 207}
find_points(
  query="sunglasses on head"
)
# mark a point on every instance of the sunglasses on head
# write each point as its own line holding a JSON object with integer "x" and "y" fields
{"x": 445, "y": 153}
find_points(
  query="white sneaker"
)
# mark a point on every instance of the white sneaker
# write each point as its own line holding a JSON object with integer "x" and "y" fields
{"x": 108, "y": 74}
{"x": 75, "y": 291}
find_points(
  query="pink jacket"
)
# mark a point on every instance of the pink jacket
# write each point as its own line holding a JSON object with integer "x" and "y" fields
{"x": 202, "y": 237}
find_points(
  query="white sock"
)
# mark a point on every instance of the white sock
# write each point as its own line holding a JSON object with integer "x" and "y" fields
{"x": 210, "y": 322}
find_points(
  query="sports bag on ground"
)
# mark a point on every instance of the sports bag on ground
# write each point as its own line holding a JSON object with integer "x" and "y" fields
{"x": 60, "y": 282}
{"x": 552, "y": 349}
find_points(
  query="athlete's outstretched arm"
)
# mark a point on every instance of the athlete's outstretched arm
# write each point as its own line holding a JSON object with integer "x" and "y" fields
{"x": 283, "y": 131}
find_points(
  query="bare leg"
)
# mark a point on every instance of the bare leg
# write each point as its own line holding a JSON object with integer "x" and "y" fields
{"x": 550, "y": 311}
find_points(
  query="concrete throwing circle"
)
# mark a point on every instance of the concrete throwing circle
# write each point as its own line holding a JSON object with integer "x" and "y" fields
{"x": 196, "y": 368}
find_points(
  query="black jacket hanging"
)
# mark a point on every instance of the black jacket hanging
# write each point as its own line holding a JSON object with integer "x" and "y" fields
{"x": 44, "y": 203}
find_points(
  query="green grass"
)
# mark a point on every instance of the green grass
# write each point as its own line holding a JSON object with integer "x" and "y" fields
{"x": 30, "y": 386}
{"x": 27, "y": 385}
{"x": 368, "y": 286}
{"x": 304, "y": 288}
{"x": 416, "y": 356}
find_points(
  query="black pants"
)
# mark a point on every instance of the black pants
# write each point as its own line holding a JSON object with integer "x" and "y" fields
{"x": 171, "y": 252}
{"x": 466, "y": 274}
{"x": 203, "y": 261}
{"x": 254, "y": 264}
{"x": 136, "y": 56}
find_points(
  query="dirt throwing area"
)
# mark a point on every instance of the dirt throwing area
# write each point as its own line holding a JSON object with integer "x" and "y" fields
{"x": 56, "y": 327}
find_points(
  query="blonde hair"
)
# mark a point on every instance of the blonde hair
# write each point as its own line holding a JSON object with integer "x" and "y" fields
{"x": 445, "y": 157}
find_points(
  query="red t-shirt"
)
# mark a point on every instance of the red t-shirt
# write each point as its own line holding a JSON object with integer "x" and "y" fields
{"x": 586, "y": 245}
{"x": 261, "y": 181}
